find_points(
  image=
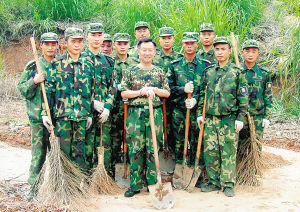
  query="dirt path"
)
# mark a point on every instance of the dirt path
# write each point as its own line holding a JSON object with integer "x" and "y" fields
{"x": 279, "y": 191}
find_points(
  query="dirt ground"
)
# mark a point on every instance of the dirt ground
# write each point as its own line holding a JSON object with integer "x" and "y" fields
{"x": 279, "y": 191}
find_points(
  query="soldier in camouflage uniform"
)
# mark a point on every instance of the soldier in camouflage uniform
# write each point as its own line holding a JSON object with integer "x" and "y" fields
{"x": 107, "y": 45}
{"x": 207, "y": 36}
{"x": 122, "y": 62}
{"x": 185, "y": 76}
{"x": 141, "y": 30}
{"x": 139, "y": 82}
{"x": 162, "y": 59}
{"x": 227, "y": 102}
{"x": 69, "y": 85}
{"x": 104, "y": 95}
{"x": 260, "y": 92}
{"x": 29, "y": 87}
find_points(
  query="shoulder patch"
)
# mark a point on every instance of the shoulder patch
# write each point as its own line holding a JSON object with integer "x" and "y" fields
{"x": 269, "y": 85}
{"x": 114, "y": 74}
{"x": 244, "y": 90}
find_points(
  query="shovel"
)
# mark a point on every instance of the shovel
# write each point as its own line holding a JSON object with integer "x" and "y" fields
{"x": 122, "y": 169}
{"x": 161, "y": 193}
{"x": 183, "y": 174}
{"x": 166, "y": 158}
{"x": 197, "y": 170}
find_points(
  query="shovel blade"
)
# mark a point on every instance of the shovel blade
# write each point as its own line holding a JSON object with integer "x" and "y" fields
{"x": 162, "y": 195}
{"x": 166, "y": 162}
{"x": 182, "y": 176}
{"x": 194, "y": 179}
{"x": 122, "y": 174}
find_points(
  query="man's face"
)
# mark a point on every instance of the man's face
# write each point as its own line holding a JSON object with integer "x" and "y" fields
{"x": 222, "y": 52}
{"x": 74, "y": 45}
{"x": 49, "y": 48}
{"x": 106, "y": 47}
{"x": 166, "y": 42}
{"x": 142, "y": 32}
{"x": 147, "y": 52}
{"x": 121, "y": 47}
{"x": 250, "y": 54}
{"x": 95, "y": 39}
{"x": 190, "y": 47}
{"x": 207, "y": 38}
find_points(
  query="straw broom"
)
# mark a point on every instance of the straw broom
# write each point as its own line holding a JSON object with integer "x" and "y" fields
{"x": 60, "y": 182}
{"x": 249, "y": 160}
{"x": 101, "y": 182}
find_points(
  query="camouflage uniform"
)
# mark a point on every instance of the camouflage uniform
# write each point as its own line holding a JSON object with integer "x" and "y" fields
{"x": 180, "y": 72}
{"x": 260, "y": 97}
{"x": 117, "y": 128}
{"x": 227, "y": 101}
{"x": 210, "y": 55}
{"x": 69, "y": 86}
{"x": 34, "y": 99}
{"x": 138, "y": 123}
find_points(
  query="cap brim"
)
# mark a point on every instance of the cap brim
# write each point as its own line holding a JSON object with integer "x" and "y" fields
{"x": 49, "y": 40}
{"x": 96, "y": 31}
{"x": 76, "y": 36}
{"x": 164, "y": 35}
{"x": 251, "y": 46}
{"x": 122, "y": 40}
{"x": 141, "y": 27}
{"x": 207, "y": 30}
{"x": 189, "y": 40}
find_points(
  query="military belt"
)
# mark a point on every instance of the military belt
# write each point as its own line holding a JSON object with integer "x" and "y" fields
{"x": 144, "y": 106}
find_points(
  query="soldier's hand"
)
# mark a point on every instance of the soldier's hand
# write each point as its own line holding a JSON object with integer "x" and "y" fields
{"x": 99, "y": 106}
{"x": 104, "y": 115}
{"x": 119, "y": 87}
{"x": 38, "y": 78}
{"x": 200, "y": 120}
{"x": 238, "y": 125}
{"x": 151, "y": 94}
{"x": 190, "y": 103}
{"x": 189, "y": 87}
{"x": 266, "y": 123}
{"x": 46, "y": 122}
{"x": 89, "y": 122}
{"x": 144, "y": 90}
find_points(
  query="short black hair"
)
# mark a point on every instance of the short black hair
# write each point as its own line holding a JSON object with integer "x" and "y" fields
{"x": 146, "y": 40}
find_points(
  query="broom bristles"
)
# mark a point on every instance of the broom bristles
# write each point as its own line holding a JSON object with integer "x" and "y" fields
{"x": 60, "y": 182}
{"x": 101, "y": 182}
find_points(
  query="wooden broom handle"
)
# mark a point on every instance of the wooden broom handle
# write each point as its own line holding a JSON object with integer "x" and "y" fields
{"x": 39, "y": 70}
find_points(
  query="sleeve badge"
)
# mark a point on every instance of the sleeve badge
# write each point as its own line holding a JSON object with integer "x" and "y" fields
{"x": 244, "y": 90}
{"x": 269, "y": 86}
{"x": 114, "y": 74}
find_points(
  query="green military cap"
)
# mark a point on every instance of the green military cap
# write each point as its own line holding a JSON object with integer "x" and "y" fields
{"x": 221, "y": 39}
{"x": 49, "y": 36}
{"x": 141, "y": 24}
{"x": 190, "y": 37}
{"x": 251, "y": 43}
{"x": 95, "y": 27}
{"x": 107, "y": 37}
{"x": 166, "y": 31}
{"x": 122, "y": 37}
{"x": 207, "y": 27}
{"x": 73, "y": 32}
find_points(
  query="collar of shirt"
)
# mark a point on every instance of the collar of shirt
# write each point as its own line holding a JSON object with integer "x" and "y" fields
{"x": 68, "y": 59}
{"x": 210, "y": 52}
{"x": 225, "y": 68}
{"x": 186, "y": 62}
{"x": 162, "y": 54}
{"x": 118, "y": 61}
{"x": 254, "y": 68}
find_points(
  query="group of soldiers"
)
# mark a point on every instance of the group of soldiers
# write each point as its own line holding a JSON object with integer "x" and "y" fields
{"x": 87, "y": 91}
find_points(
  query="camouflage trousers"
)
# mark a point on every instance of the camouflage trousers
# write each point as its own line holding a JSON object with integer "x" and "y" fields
{"x": 178, "y": 128}
{"x": 245, "y": 132}
{"x": 220, "y": 147}
{"x": 39, "y": 145}
{"x": 140, "y": 146}
{"x": 72, "y": 136}
{"x": 171, "y": 139}
{"x": 93, "y": 141}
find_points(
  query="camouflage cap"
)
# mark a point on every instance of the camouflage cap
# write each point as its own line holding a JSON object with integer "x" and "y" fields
{"x": 190, "y": 37}
{"x": 250, "y": 43}
{"x": 73, "y": 32}
{"x": 122, "y": 37}
{"x": 95, "y": 27}
{"x": 221, "y": 39}
{"x": 207, "y": 27}
{"x": 49, "y": 36}
{"x": 166, "y": 31}
{"x": 107, "y": 37}
{"x": 141, "y": 24}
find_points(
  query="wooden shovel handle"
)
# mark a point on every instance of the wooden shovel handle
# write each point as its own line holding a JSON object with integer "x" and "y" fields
{"x": 186, "y": 135}
{"x": 125, "y": 119}
{"x": 153, "y": 134}
{"x": 39, "y": 70}
{"x": 200, "y": 138}
{"x": 165, "y": 123}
